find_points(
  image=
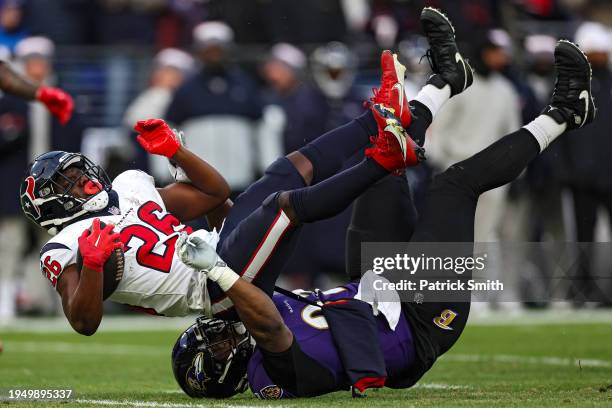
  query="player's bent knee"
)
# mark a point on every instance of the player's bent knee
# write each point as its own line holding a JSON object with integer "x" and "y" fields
{"x": 302, "y": 165}
{"x": 283, "y": 201}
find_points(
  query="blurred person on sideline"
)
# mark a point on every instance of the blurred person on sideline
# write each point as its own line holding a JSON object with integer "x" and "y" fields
{"x": 12, "y": 28}
{"x": 14, "y": 149}
{"x": 588, "y": 164}
{"x": 34, "y": 55}
{"x": 171, "y": 67}
{"x": 292, "y": 102}
{"x": 218, "y": 107}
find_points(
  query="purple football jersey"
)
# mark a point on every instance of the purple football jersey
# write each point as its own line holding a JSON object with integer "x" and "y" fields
{"x": 312, "y": 333}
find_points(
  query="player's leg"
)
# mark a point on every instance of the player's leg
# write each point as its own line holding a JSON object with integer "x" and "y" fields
{"x": 260, "y": 245}
{"x": 393, "y": 151}
{"x": 390, "y": 200}
{"x": 448, "y": 214}
{"x": 384, "y": 213}
{"x": 449, "y": 211}
{"x": 324, "y": 156}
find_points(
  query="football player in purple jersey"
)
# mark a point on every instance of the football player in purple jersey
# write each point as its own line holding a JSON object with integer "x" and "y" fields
{"x": 289, "y": 345}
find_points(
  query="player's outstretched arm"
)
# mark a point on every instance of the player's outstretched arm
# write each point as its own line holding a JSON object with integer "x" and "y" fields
{"x": 207, "y": 189}
{"x": 255, "y": 309}
{"x": 57, "y": 101}
{"x": 260, "y": 317}
{"x": 81, "y": 291}
{"x": 14, "y": 84}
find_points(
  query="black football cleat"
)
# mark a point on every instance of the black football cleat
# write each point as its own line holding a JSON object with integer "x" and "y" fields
{"x": 572, "y": 101}
{"x": 443, "y": 54}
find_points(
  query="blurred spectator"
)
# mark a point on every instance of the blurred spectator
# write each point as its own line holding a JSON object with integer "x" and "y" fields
{"x": 527, "y": 99}
{"x": 334, "y": 68}
{"x": 170, "y": 67}
{"x": 301, "y": 105}
{"x": 35, "y": 55}
{"x": 588, "y": 152}
{"x": 14, "y": 135}
{"x": 12, "y": 28}
{"x": 217, "y": 106}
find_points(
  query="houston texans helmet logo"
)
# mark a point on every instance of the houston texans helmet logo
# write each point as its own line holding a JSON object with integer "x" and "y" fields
{"x": 28, "y": 198}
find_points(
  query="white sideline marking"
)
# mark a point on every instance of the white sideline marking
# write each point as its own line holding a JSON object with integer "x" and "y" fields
{"x": 513, "y": 359}
{"x": 153, "y": 404}
{"x": 440, "y": 386}
{"x": 82, "y": 348}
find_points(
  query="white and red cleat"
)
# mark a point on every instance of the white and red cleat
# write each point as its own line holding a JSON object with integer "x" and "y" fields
{"x": 391, "y": 92}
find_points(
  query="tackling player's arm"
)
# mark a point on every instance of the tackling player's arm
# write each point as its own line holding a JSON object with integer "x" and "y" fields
{"x": 260, "y": 317}
{"x": 57, "y": 101}
{"x": 81, "y": 291}
{"x": 207, "y": 189}
{"x": 255, "y": 309}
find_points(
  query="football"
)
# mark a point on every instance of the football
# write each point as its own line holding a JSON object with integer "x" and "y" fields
{"x": 113, "y": 269}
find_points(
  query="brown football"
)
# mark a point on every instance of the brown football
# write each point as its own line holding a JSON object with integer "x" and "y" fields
{"x": 113, "y": 269}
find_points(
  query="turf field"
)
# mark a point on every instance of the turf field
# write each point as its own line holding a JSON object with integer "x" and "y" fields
{"x": 525, "y": 361}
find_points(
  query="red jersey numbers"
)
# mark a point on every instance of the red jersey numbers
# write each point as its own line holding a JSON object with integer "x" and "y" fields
{"x": 51, "y": 269}
{"x": 156, "y": 250}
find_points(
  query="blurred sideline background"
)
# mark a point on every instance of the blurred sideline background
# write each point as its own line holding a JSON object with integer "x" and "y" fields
{"x": 250, "y": 80}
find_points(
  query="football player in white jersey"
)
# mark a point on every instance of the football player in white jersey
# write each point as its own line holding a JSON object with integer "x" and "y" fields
{"x": 65, "y": 192}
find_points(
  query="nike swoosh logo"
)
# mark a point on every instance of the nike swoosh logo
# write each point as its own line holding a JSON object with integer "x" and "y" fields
{"x": 459, "y": 58}
{"x": 399, "y": 137}
{"x": 400, "y": 89}
{"x": 585, "y": 95}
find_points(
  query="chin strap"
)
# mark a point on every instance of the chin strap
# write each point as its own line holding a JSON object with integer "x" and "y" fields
{"x": 97, "y": 202}
{"x": 95, "y": 206}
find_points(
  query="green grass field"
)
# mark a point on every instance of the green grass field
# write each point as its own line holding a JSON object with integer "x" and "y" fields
{"x": 519, "y": 365}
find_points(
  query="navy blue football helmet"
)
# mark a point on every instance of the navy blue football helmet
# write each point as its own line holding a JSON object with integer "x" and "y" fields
{"x": 210, "y": 358}
{"x": 45, "y": 193}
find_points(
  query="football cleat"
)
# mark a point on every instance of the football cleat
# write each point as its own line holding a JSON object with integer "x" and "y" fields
{"x": 391, "y": 92}
{"x": 572, "y": 101}
{"x": 393, "y": 149}
{"x": 443, "y": 54}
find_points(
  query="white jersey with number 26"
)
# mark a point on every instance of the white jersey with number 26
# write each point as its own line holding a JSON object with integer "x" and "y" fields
{"x": 154, "y": 277}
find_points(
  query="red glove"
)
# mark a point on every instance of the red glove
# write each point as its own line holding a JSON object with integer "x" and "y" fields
{"x": 97, "y": 245}
{"x": 156, "y": 137}
{"x": 57, "y": 101}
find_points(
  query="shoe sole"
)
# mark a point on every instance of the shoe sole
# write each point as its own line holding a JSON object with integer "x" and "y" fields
{"x": 575, "y": 49}
{"x": 400, "y": 72}
{"x": 578, "y": 52}
{"x": 438, "y": 13}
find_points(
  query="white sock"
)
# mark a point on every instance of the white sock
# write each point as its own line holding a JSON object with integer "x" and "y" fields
{"x": 433, "y": 97}
{"x": 545, "y": 129}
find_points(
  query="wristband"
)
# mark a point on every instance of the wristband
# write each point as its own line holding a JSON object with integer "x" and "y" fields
{"x": 223, "y": 275}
